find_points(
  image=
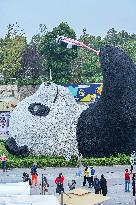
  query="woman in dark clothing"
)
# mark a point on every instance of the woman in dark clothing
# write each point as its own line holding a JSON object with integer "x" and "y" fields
{"x": 103, "y": 185}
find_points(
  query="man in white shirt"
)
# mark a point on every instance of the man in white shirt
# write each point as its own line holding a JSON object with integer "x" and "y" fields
{"x": 132, "y": 160}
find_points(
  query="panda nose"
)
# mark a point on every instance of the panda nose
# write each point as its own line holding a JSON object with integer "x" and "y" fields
{"x": 39, "y": 109}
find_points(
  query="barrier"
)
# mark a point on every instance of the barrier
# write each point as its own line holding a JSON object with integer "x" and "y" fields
{"x": 30, "y": 199}
{"x": 10, "y": 189}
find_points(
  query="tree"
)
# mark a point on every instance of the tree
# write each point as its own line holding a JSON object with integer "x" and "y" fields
{"x": 11, "y": 50}
{"x": 86, "y": 67}
{"x": 31, "y": 63}
{"x": 123, "y": 40}
{"x": 58, "y": 59}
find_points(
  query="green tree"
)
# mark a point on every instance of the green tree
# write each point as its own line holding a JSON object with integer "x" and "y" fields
{"x": 123, "y": 40}
{"x": 58, "y": 59}
{"x": 86, "y": 67}
{"x": 11, "y": 50}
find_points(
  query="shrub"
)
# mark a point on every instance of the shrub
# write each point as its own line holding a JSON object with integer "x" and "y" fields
{"x": 59, "y": 161}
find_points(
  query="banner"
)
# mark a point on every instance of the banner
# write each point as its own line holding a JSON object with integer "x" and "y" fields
{"x": 4, "y": 122}
{"x": 85, "y": 92}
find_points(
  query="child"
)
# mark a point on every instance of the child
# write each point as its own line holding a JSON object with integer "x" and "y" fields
{"x": 45, "y": 185}
{"x": 96, "y": 185}
{"x": 72, "y": 185}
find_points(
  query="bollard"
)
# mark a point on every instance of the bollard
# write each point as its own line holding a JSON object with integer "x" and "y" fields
{"x": 133, "y": 184}
{"x": 42, "y": 184}
{"x": 61, "y": 197}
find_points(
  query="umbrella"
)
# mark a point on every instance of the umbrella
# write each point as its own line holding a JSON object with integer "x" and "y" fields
{"x": 82, "y": 197}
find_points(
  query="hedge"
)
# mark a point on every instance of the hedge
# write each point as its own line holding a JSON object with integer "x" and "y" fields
{"x": 59, "y": 161}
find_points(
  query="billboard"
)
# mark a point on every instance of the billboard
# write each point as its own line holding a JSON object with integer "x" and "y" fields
{"x": 85, "y": 92}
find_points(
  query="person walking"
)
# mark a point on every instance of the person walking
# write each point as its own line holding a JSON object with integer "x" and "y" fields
{"x": 127, "y": 180}
{"x": 103, "y": 185}
{"x": 34, "y": 174}
{"x": 4, "y": 161}
{"x": 86, "y": 175}
{"x": 96, "y": 185}
{"x": 59, "y": 181}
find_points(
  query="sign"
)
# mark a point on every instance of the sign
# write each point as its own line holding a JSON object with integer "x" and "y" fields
{"x": 4, "y": 123}
{"x": 85, "y": 92}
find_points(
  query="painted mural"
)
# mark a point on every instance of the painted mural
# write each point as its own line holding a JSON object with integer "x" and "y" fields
{"x": 85, "y": 92}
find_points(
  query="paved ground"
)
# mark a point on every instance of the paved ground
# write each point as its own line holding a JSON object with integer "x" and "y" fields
{"x": 114, "y": 176}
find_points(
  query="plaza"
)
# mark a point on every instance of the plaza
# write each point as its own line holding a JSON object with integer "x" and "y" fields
{"x": 113, "y": 174}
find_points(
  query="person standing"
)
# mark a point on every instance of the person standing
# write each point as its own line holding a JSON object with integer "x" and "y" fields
{"x": 4, "y": 161}
{"x": 91, "y": 177}
{"x": 86, "y": 175}
{"x": 79, "y": 171}
{"x": 34, "y": 174}
{"x": 103, "y": 185}
{"x": 45, "y": 185}
{"x": 79, "y": 160}
{"x": 59, "y": 181}
{"x": 132, "y": 161}
{"x": 127, "y": 180}
{"x": 96, "y": 185}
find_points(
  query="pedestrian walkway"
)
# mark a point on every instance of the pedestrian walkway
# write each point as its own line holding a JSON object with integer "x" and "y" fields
{"x": 114, "y": 176}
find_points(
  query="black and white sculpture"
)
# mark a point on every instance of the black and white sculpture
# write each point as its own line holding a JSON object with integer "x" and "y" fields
{"x": 46, "y": 121}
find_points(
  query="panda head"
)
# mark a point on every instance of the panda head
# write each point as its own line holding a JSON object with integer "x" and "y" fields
{"x": 40, "y": 109}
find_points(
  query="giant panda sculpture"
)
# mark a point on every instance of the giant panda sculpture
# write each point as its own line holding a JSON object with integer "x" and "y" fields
{"x": 109, "y": 127}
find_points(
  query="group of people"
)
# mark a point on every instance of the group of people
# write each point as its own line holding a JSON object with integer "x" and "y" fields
{"x": 100, "y": 185}
{"x": 89, "y": 176}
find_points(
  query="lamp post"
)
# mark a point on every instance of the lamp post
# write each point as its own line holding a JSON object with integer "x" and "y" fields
{"x": 50, "y": 75}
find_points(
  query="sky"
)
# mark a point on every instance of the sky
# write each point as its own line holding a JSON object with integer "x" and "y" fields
{"x": 97, "y": 16}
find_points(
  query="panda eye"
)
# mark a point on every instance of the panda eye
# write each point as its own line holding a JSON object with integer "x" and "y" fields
{"x": 39, "y": 109}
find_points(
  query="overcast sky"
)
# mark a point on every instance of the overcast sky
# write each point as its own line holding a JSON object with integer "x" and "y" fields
{"x": 97, "y": 16}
